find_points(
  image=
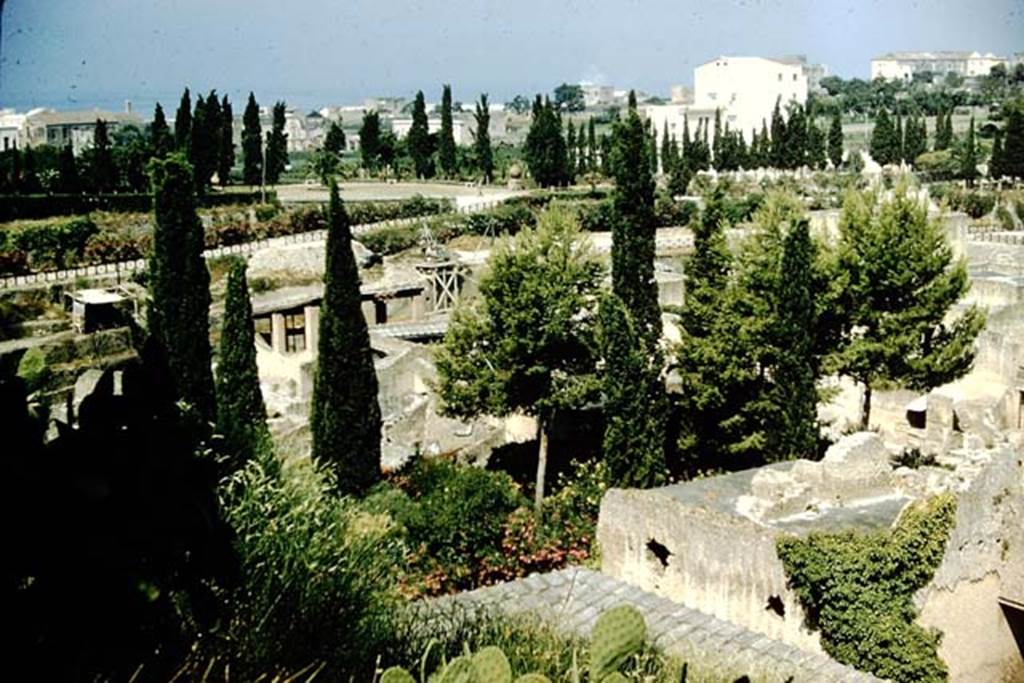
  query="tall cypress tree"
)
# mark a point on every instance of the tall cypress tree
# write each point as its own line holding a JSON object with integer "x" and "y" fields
{"x": 241, "y": 414}
{"x": 592, "y": 152}
{"x": 200, "y": 144}
{"x": 944, "y": 130}
{"x": 915, "y": 142}
{"x": 1013, "y": 143}
{"x": 666, "y": 148}
{"x": 420, "y": 148}
{"x": 67, "y": 171}
{"x": 778, "y": 137}
{"x": 252, "y": 143}
{"x": 899, "y": 141}
{"x": 346, "y": 419}
{"x": 334, "y": 141}
{"x": 835, "y": 139}
{"x": 635, "y": 404}
{"x": 545, "y": 148}
{"x": 446, "y": 139}
{"x": 969, "y": 157}
{"x": 794, "y": 372}
{"x": 179, "y": 285}
{"x": 482, "y": 139}
{"x": 795, "y": 153}
{"x": 215, "y": 122}
{"x": 883, "y": 146}
{"x": 277, "y": 145}
{"x": 995, "y": 162}
{"x": 102, "y": 169}
{"x": 570, "y": 148}
{"x": 226, "y": 158}
{"x": 183, "y": 122}
{"x": 716, "y": 142}
{"x": 582, "y": 162}
{"x": 160, "y": 133}
{"x": 370, "y": 141}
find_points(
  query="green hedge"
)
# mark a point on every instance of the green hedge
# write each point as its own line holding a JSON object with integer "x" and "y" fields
{"x": 31, "y": 206}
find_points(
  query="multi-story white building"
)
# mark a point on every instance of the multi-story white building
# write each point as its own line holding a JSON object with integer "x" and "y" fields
{"x": 12, "y": 130}
{"x": 743, "y": 90}
{"x": 903, "y": 65}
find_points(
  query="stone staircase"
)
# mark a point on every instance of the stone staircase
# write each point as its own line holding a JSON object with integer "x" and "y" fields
{"x": 713, "y": 649}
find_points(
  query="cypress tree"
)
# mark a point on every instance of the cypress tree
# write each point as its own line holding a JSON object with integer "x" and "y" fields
{"x": 1013, "y": 144}
{"x": 835, "y": 139}
{"x": 570, "y": 148}
{"x": 346, "y": 418}
{"x": 226, "y": 150}
{"x": 183, "y": 122}
{"x": 901, "y": 154}
{"x": 794, "y": 372}
{"x": 29, "y": 174}
{"x": 67, "y": 171}
{"x": 816, "y": 156}
{"x": 582, "y": 163}
{"x": 778, "y": 137}
{"x": 795, "y": 152}
{"x": 633, "y": 230}
{"x": 634, "y": 402}
{"x": 370, "y": 141}
{"x": 592, "y": 154}
{"x": 716, "y": 142}
{"x": 652, "y": 152}
{"x": 883, "y": 146}
{"x": 915, "y": 139}
{"x": 419, "y": 139}
{"x": 334, "y": 141}
{"x": 252, "y": 143}
{"x": 482, "y": 139}
{"x": 666, "y": 149}
{"x": 241, "y": 414}
{"x": 969, "y": 157}
{"x": 545, "y": 148}
{"x": 944, "y": 130}
{"x": 606, "y": 153}
{"x": 995, "y": 162}
{"x": 446, "y": 139}
{"x": 160, "y": 133}
{"x": 179, "y": 285}
{"x": 103, "y": 171}
{"x": 277, "y": 145}
{"x": 200, "y": 144}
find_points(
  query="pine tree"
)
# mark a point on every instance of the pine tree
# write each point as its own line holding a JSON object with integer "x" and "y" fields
{"x": 67, "y": 171}
{"x": 334, "y": 141}
{"x": 346, "y": 419}
{"x": 883, "y": 146}
{"x": 183, "y": 123}
{"x": 897, "y": 331}
{"x": 179, "y": 285}
{"x": 102, "y": 169}
{"x": 482, "y": 139}
{"x": 226, "y": 156}
{"x": 420, "y": 148}
{"x": 794, "y": 374}
{"x": 633, "y": 230}
{"x": 160, "y": 133}
{"x": 1013, "y": 143}
{"x": 446, "y": 138}
{"x": 635, "y": 404}
{"x": 370, "y": 141}
{"x": 969, "y": 157}
{"x": 835, "y": 139}
{"x": 241, "y": 414}
{"x": 277, "y": 145}
{"x": 252, "y": 144}
{"x": 995, "y": 162}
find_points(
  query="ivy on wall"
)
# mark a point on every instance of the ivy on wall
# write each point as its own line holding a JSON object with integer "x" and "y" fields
{"x": 858, "y": 591}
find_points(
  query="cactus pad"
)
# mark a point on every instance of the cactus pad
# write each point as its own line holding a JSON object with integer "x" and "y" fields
{"x": 618, "y": 634}
{"x": 397, "y": 674}
{"x": 459, "y": 670}
{"x": 490, "y": 665}
{"x": 533, "y": 678}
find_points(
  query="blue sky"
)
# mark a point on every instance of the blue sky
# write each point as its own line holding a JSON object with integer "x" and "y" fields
{"x": 84, "y": 53}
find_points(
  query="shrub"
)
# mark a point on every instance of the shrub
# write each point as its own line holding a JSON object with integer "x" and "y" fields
{"x": 316, "y": 576}
{"x": 938, "y": 165}
{"x": 34, "y": 369}
{"x": 858, "y": 590}
{"x": 1006, "y": 221}
{"x": 669, "y": 212}
{"x": 14, "y": 207}
{"x": 978, "y": 205}
{"x": 391, "y": 239}
{"x": 54, "y": 245}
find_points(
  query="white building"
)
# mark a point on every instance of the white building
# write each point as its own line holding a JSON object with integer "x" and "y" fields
{"x": 903, "y": 65}
{"x": 12, "y": 130}
{"x": 463, "y": 126}
{"x": 743, "y": 89}
{"x": 59, "y": 128}
{"x": 595, "y": 95}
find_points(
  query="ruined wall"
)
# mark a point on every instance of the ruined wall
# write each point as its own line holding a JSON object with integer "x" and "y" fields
{"x": 720, "y": 564}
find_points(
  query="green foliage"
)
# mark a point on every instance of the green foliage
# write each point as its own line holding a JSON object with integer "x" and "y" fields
{"x": 370, "y": 147}
{"x": 252, "y": 143}
{"x": 885, "y": 146}
{"x": 334, "y": 141}
{"x": 316, "y": 579}
{"x": 179, "y": 285}
{"x": 34, "y": 369}
{"x": 484, "y": 156}
{"x": 937, "y": 165}
{"x": 968, "y": 155}
{"x": 277, "y": 145}
{"x": 183, "y": 124}
{"x": 396, "y": 674}
{"x": 446, "y": 138}
{"x": 618, "y": 634}
{"x": 226, "y": 149}
{"x": 241, "y": 415}
{"x": 490, "y": 665}
{"x": 421, "y": 148}
{"x": 900, "y": 282}
{"x": 545, "y": 149}
{"x": 835, "y": 140}
{"x": 1012, "y": 160}
{"x": 346, "y": 419}
{"x": 858, "y": 590}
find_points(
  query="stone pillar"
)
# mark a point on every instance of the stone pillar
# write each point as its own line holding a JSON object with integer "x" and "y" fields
{"x": 312, "y": 314}
{"x": 277, "y": 332}
{"x": 369, "y": 311}
{"x": 380, "y": 311}
{"x": 417, "y": 306}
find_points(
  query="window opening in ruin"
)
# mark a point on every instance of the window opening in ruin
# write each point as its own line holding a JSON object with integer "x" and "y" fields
{"x": 659, "y": 551}
{"x": 295, "y": 332}
{"x": 776, "y": 605}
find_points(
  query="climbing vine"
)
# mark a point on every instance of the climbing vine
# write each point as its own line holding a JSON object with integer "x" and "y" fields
{"x": 858, "y": 591}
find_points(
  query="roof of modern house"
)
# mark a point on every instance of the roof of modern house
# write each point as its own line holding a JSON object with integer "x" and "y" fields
{"x": 72, "y": 118}
{"x": 941, "y": 54}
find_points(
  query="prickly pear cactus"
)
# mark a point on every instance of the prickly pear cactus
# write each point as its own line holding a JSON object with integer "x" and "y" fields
{"x": 459, "y": 670}
{"x": 490, "y": 665}
{"x": 533, "y": 678}
{"x": 396, "y": 674}
{"x": 615, "y": 678}
{"x": 618, "y": 634}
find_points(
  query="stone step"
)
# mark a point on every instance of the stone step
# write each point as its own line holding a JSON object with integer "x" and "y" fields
{"x": 571, "y": 599}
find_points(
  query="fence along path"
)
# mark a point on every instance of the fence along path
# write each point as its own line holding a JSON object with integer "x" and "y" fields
{"x": 125, "y": 268}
